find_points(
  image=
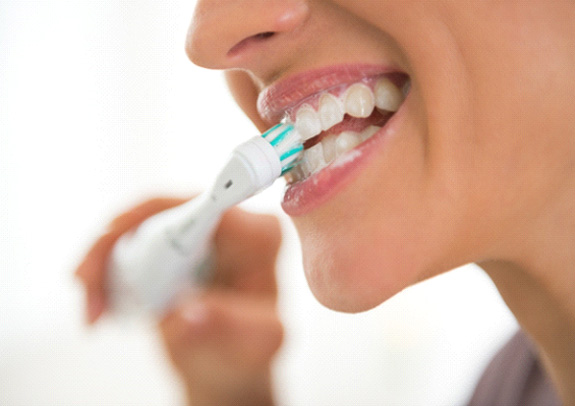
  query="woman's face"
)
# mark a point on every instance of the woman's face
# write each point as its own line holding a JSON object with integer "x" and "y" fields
{"x": 461, "y": 171}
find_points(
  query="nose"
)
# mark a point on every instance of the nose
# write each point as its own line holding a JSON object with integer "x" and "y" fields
{"x": 227, "y": 34}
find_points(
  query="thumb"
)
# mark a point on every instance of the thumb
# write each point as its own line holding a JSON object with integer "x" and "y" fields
{"x": 222, "y": 328}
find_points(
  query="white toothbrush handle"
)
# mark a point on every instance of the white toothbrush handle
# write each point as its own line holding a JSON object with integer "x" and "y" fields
{"x": 169, "y": 252}
{"x": 149, "y": 267}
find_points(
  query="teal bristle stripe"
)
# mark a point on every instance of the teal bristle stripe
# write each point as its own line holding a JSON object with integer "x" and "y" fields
{"x": 268, "y": 132}
{"x": 281, "y": 136}
{"x": 287, "y": 169}
{"x": 291, "y": 152}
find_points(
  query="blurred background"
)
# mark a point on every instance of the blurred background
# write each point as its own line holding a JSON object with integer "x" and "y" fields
{"x": 99, "y": 109}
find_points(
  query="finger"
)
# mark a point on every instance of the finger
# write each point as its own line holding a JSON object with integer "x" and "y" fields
{"x": 248, "y": 246}
{"x": 95, "y": 305}
{"x": 223, "y": 327}
{"x": 92, "y": 273}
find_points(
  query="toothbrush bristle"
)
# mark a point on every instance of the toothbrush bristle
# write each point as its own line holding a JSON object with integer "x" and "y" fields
{"x": 287, "y": 143}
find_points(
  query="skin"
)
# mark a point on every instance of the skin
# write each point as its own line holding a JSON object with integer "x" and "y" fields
{"x": 481, "y": 170}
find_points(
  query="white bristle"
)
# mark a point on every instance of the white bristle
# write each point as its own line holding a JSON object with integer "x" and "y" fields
{"x": 287, "y": 143}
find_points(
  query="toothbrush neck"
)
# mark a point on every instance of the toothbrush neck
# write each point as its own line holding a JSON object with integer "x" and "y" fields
{"x": 236, "y": 182}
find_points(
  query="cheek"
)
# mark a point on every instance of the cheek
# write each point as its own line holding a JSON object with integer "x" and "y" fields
{"x": 245, "y": 93}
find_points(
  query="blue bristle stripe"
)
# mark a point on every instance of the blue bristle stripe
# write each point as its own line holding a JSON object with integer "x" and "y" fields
{"x": 281, "y": 136}
{"x": 291, "y": 152}
{"x": 268, "y": 132}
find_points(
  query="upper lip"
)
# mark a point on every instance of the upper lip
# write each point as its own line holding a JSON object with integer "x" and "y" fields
{"x": 275, "y": 99}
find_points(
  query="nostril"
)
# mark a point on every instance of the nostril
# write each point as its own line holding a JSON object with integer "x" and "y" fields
{"x": 262, "y": 36}
{"x": 227, "y": 34}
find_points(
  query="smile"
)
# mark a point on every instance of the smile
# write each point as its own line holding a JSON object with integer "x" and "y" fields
{"x": 336, "y": 112}
{"x": 334, "y": 122}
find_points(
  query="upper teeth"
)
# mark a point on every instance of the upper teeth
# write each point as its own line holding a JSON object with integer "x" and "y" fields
{"x": 307, "y": 122}
{"x": 387, "y": 95}
{"x": 358, "y": 100}
{"x": 331, "y": 111}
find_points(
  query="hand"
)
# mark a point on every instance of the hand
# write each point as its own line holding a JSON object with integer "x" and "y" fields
{"x": 221, "y": 343}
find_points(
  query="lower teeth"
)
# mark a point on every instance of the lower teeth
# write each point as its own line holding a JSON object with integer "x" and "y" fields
{"x": 327, "y": 151}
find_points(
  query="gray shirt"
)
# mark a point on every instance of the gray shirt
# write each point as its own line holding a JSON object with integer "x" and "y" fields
{"x": 515, "y": 377}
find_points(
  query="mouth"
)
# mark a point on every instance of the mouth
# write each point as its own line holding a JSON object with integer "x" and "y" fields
{"x": 337, "y": 112}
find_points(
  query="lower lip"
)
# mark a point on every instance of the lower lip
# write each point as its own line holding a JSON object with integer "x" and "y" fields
{"x": 303, "y": 197}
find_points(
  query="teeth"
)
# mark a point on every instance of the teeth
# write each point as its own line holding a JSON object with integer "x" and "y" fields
{"x": 328, "y": 144}
{"x": 331, "y": 111}
{"x": 305, "y": 167}
{"x": 387, "y": 96}
{"x": 346, "y": 141}
{"x": 314, "y": 157}
{"x": 368, "y": 132}
{"x": 328, "y": 150}
{"x": 359, "y": 101}
{"x": 296, "y": 174}
{"x": 307, "y": 122}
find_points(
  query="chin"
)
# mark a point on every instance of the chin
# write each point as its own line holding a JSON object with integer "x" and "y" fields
{"x": 351, "y": 279}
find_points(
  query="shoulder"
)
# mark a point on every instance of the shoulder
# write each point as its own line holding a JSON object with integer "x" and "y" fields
{"x": 515, "y": 376}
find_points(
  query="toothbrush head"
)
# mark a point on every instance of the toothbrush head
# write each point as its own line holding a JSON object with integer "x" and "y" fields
{"x": 257, "y": 163}
{"x": 287, "y": 143}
